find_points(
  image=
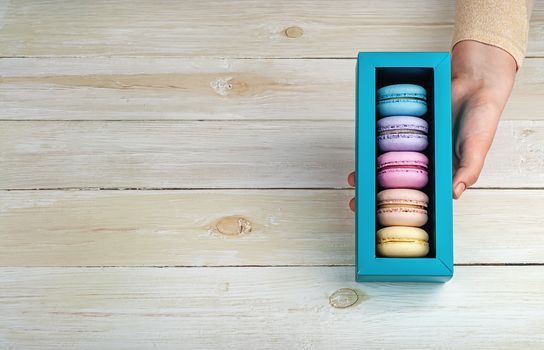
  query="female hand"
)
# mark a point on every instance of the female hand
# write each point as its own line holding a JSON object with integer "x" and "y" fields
{"x": 482, "y": 80}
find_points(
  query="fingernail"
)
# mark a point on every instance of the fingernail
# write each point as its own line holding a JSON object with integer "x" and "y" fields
{"x": 459, "y": 189}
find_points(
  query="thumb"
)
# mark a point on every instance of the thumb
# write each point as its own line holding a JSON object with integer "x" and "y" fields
{"x": 470, "y": 166}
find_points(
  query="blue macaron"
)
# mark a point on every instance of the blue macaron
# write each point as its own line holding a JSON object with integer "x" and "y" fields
{"x": 402, "y": 99}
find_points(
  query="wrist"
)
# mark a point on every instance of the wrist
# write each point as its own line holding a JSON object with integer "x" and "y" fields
{"x": 482, "y": 70}
{"x": 473, "y": 60}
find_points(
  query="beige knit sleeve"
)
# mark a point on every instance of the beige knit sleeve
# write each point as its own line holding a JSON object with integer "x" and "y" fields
{"x": 501, "y": 23}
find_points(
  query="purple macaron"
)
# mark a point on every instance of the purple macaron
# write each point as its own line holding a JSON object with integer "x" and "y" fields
{"x": 402, "y": 133}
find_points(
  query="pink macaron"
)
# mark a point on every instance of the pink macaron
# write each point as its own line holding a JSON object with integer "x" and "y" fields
{"x": 402, "y": 207}
{"x": 403, "y": 170}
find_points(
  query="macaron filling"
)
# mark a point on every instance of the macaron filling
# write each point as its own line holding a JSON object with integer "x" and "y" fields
{"x": 401, "y": 207}
{"x": 402, "y": 240}
{"x": 403, "y": 131}
{"x": 422, "y": 167}
{"x": 404, "y": 202}
{"x": 404, "y": 205}
{"x": 404, "y": 97}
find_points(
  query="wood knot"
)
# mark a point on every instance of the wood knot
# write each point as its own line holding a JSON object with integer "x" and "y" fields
{"x": 526, "y": 132}
{"x": 345, "y": 297}
{"x": 232, "y": 226}
{"x": 229, "y": 86}
{"x": 225, "y": 287}
{"x": 293, "y": 32}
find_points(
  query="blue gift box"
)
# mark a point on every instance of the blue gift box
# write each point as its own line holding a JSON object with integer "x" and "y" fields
{"x": 432, "y": 71}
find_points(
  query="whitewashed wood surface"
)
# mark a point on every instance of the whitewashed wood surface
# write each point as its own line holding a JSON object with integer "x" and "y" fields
{"x": 240, "y": 28}
{"x": 483, "y": 307}
{"x": 221, "y": 154}
{"x": 161, "y": 88}
{"x": 173, "y": 176}
{"x": 239, "y": 227}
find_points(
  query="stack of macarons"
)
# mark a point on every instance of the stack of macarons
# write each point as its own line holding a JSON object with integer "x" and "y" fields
{"x": 402, "y": 171}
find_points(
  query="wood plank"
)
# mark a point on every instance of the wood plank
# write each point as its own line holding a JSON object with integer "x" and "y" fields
{"x": 190, "y": 228}
{"x": 268, "y": 308}
{"x": 232, "y": 29}
{"x": 202, "y": 89}
{"x": 228, "y": 228}
{"x": 215, "y": 154}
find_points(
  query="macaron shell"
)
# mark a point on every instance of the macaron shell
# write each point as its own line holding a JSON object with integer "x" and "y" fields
{"x": 401, "y": 90}
{"x": 402, "y": 142}
{"x": 403, "y": 177}
{"x": 400, "y": 106}
{"x": 402, "y": 216}
{"x": 402, "y": 232}
{"x": 402, "y": 196}
{"x": 403, "y": 249}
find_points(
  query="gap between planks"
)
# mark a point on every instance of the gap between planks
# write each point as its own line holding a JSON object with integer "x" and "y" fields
{"x": 241, "y": 266}
{"x": 254, "y": 120}
{"x": 202, "y": 57}
{"x": 233, "y": 188}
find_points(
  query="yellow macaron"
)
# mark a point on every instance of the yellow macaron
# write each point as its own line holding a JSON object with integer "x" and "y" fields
{"x": 402, "y": 242}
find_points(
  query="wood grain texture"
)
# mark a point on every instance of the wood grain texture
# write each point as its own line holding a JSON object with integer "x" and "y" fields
{"x": 203, "y": 89}
{"x": 250, "y": 265}
{"x": 228, "y": 228}
{"x": 489, "y": 307}
{"x": 215, "y": 154}
{"x": 231, "y": 29}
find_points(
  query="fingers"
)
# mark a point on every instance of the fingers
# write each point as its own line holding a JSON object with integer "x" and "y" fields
{"x": 482, "y": 79}
{"x": 351, "y": 179}
{"x": 473, "y": 134}
{"x": 458, "y": 189}
{"x": 469, "y": 168}
{"x": 351, "y": 182}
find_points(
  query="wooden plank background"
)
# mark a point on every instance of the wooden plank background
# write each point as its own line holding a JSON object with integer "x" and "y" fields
{"x": 268, "y": 307}
{"x": 173, "y": 175}
{"x": 203, "y": 89}
{"x": 221, "y": 154}
{"x": 241, "y": 28}
{"x": 202, "y": 228}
